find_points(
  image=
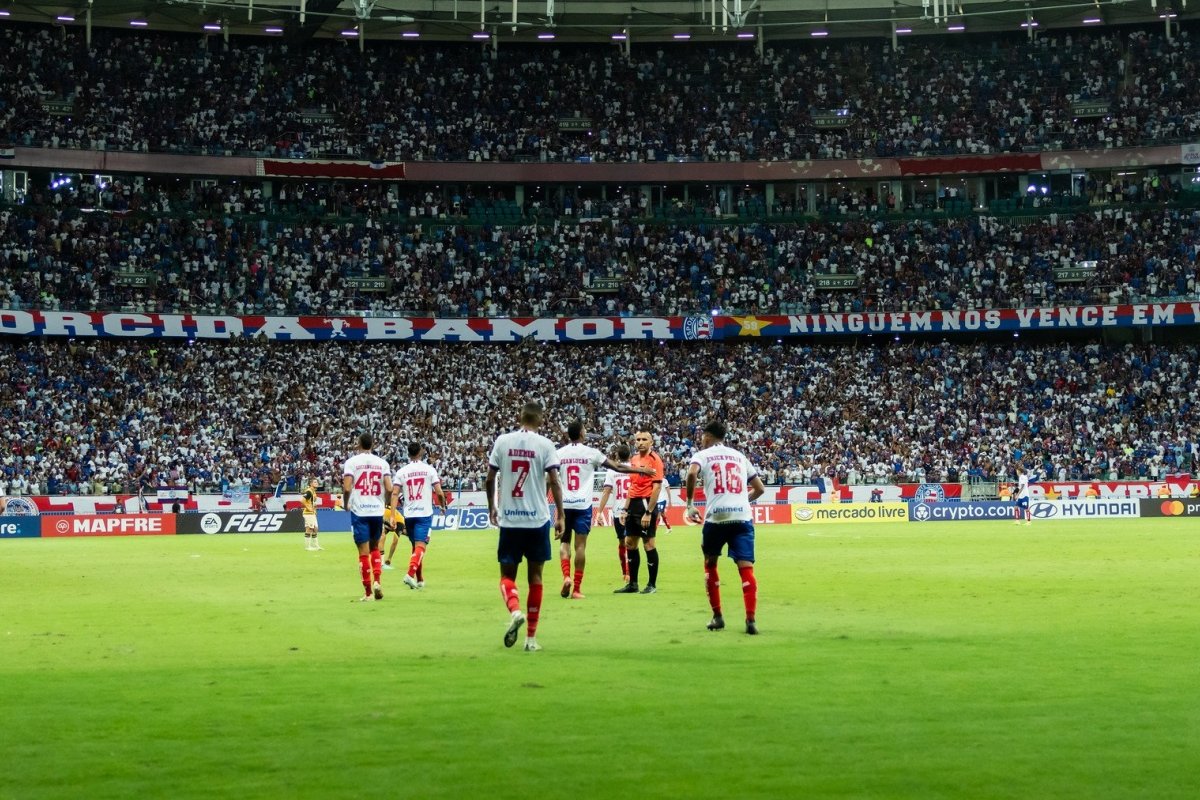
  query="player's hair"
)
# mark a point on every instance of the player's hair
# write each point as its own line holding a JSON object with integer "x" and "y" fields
{"x": 623, "y": 452}
{"x": 414, "y": 449}
{"x": 575, "y": 430}
{"x": 716, "y": 429}
{"x": 531, "y": 413}
{"x": 366, "y": 441}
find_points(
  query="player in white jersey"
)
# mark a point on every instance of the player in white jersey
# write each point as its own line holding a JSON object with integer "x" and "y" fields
{"x": 731, "y": 484}
{"x": 616, "y": 486}
{"x": 578, "y": 464}
{"x": 1024, "y": 478}
{"x": 520, "y": 468}
{"x": 366, "y": 492}
{"x": 418, "y": 485}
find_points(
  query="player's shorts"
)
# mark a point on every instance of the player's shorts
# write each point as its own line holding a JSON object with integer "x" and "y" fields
{"x": 310, "y": 522}
{"x": 633, "y": 522}
{"x": 518, "y": 543}
{"x": 661, "y": 507}
{"x": 1022, "y": 503}
{"x": 366, "y": 529}
{"x": 578, "y": 521}
{"x": 417, "y": 529}
{"x": 738, "y": 536}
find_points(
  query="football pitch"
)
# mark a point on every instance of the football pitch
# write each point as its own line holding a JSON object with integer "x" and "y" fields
{"x": 972, "y": 660}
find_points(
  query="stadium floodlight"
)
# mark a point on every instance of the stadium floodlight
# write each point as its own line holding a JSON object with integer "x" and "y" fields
{"x": 546, "y": 35}
{"x": 745, "y": 35}
{"x": 350, "y": 33}
{"x": 65, "y": 18}
{"x": 411, "y": 34}
{"x": 956, "y": 28}
{"x": 1092, "y": 21}
{"x": 620, "y": 37}
{"x": 1032, "y": 24}
{"x": 903, "y": 30}
{"x": 481, "y": 35}
{"x": 4, "y": 12}
{"x": 139, "y": 23}
{"x": 821, "y": 32}
{"x": 682, "y": 36}
{"x": 212, "y": 26}
{"x": 273, "y": 29}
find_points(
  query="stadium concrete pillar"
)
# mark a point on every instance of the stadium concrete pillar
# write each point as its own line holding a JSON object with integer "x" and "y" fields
{"x": 810, "y": 202}
{"x": 519, "y": 196}
{"x": 769, "y": 196}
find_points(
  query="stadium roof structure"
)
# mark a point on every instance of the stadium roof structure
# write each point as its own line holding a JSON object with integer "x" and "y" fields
{"x": 635, "y": 21}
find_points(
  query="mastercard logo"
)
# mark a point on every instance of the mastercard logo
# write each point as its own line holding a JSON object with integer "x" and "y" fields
{"x": 1172, "y": 508}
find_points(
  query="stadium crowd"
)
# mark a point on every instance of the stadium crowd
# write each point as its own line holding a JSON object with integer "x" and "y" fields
{"x": 142, "y": 91}
{"x": 101, "y": 416}
{"x": 212, "y": 263}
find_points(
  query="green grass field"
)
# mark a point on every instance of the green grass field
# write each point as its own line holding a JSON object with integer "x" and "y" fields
{"x": 896, "y": 661}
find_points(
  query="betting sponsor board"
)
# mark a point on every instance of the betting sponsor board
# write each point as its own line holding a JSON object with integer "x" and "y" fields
{"x": 823, "y": 513}
{"x": 20, "y": 527}
{"x": 108, "y": 525}
{"x": 960, "y": 512}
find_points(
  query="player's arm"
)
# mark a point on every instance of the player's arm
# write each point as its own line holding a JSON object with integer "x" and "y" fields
{"x": 756, "y": 488}
{"x": 440, "y": 496}
{"x": 391, "y": 496}
{"x": 604, "y": 495}
{"x": 656, "y": 489}
{"x": 555, "y": 488}
{"x": 628, "y": 470}
{"x": 692, "y": 512}
{"x": 490, "y": 486}
{"x": 347, "y": 487}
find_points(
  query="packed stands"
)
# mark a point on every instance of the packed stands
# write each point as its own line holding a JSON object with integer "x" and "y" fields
{"x": 102, "y": 416}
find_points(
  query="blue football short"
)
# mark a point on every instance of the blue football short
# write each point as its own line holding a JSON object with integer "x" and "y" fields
{"x": 366, "y": 529}
{"x": 737, "y": 536}
{"x": 518, "y": 543}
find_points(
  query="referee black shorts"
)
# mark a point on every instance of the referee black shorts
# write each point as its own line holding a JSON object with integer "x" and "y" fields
{"x": 633, "y": 523}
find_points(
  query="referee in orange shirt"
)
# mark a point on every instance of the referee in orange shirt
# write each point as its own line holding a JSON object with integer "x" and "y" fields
{"x": 641, "y": 507}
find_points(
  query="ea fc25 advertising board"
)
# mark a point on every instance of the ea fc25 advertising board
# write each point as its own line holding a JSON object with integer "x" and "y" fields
{"x": 242, "y": 522}
{"x": 108, "y": 525}
{"x": 835, "y": 513}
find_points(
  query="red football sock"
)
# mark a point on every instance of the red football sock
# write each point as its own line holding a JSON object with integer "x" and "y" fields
{"x": 509, "y": 593}
{"x": 418, "y": 556}
{"x": 624, "y": 559}
{"x": 376, "y": 563}
{"x": 713, "y": 587}
{"x": 749, "y": 590}
{"x": 364, "y": 566}
{"x": 565, "y": 563}
{"x": 578, "y": 579}
{"x": 533, "y": 608}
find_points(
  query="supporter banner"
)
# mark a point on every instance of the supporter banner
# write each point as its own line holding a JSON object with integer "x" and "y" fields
{"x": 824, "y": 513}
{"x": 241, "y": 522}
{"x": 1170, "y": 508}
{"x": 20, "y": 527}
{"x": 583, "y": 329}
{"x": 1189, "y": 153}
{"x": 358, "y": 170}
{"x": 1183, "y": 487}
{"x": 961, "y": 512}
{"x": 108, "y": 525}
{"x": 991, "y": 319}
{"x": 1084, "y": 509}
{"x": 944, "y": 165}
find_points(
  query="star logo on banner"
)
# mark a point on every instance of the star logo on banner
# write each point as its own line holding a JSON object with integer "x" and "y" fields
{"x": 751, "y": 326}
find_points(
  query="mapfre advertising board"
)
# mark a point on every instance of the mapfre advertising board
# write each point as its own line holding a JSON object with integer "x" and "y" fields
{"x": 108, "y": 525}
